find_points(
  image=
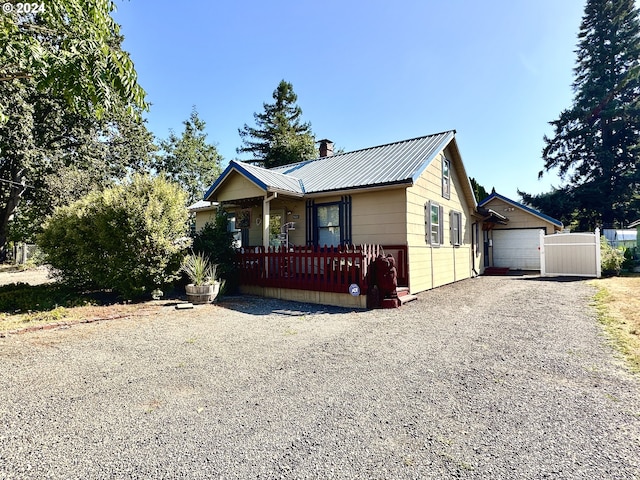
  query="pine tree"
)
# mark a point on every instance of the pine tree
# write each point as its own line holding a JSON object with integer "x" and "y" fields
{"x": 280, "y": 137}
{"x": 596, "y": 145}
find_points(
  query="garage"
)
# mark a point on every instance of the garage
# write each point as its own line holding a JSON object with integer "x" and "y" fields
{"x": 517, "y": 249}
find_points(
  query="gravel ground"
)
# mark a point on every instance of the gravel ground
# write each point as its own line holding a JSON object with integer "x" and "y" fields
{"x": 33, "y": 276}
{"x": 494, "y": 377}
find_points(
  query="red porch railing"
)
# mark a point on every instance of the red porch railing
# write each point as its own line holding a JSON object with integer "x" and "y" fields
{"x": 326, "y": 269}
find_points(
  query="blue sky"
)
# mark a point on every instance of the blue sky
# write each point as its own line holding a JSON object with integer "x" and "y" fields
{"x": 367, "y": 72}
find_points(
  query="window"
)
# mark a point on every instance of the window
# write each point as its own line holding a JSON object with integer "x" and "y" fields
{"x": 329, "y": 223}
{"x": 328, "y": 218}
{"x": 446, "y": 178}
{"x": 455, "y": 227}
{"x": 232, "y": 226}
{"x": 433, "y": 223}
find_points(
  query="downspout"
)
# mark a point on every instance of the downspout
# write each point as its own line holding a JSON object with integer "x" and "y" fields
{"x": 474, "y": 242}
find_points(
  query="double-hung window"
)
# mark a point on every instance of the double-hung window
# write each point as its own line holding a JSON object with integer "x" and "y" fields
{"x": 328, "y": 224}
{"x": 433, "y": 223}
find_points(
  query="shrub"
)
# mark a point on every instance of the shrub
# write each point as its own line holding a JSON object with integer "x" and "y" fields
{"x": 216, "y": 241}
{"x": 629, "y": 258}
{"x": 610, "y": 258}
{"x": 128, "y": 238}
{"x": 21, "y": 297}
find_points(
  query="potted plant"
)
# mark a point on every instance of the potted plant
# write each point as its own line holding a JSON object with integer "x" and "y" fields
{"x": 204, "y": 287}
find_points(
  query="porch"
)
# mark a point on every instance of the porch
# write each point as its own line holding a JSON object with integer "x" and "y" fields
{"x": 317, "y": 274}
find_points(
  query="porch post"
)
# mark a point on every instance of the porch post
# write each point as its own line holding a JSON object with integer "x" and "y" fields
{"x": 265, "y": 218}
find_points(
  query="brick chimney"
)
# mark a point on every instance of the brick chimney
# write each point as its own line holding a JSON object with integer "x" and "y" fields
{"x": 326, "y": 148}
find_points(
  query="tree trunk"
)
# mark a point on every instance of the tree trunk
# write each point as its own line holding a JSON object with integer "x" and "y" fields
{"x": 15, "y": 194}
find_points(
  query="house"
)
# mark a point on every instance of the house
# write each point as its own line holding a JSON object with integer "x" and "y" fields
{"x": 511, "y": 233}
{"x": 636, "y": 225}
{"x": 413, "y": 198}
{"x": 204, "y": 212}
{"x": 626, "y": 238}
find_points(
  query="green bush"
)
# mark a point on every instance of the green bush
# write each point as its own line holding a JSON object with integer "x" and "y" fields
{"x": 216, "y": 241}
{"x": 21, "y": 297}
{"x": 629, "y": 258}
{"x": 128, "y": 238}
{"x": 611, "y": 259}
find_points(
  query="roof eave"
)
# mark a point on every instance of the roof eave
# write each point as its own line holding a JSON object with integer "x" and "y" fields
{"x": 540, "y": 215}
{"x": 361, "y": 189}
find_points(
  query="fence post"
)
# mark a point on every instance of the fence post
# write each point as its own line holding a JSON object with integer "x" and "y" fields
{"x": 598, "y": 261}
{"x": 543, "y": 267}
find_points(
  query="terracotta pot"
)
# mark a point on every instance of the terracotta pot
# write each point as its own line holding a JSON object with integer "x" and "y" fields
{"x": 198, "y": 294}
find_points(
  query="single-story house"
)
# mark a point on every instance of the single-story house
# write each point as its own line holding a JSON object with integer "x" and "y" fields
{"x": 305, "y": 231}
{"x": 511, "y": 236}
{"x": 204, "y": 212}
{"x": 413, "y": 198}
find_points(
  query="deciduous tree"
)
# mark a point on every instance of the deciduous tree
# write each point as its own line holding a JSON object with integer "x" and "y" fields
{"x": 70, "y": 108}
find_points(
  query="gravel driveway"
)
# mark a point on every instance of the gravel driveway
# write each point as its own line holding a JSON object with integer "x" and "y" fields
{"x": 494, "y": 377}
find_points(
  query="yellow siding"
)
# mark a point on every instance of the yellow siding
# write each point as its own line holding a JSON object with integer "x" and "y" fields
{"x": 237, "y": 187}
{"x": 438, "y": 265}
{"x": 379, "y": 217}
{"x": 203, "y": 217}
{"x": 518, "y": 218}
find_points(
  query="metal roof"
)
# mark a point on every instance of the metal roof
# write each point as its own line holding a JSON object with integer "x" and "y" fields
{"x": 268, "y": 180}
{"x": 393, "y": 163}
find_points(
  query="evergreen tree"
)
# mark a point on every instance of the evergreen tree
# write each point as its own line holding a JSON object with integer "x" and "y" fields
{"x": 596, "y": 145}
{"x": 280, "y": 137}
{"x": 478, "y": 190}
{"x": 189, "y": 160}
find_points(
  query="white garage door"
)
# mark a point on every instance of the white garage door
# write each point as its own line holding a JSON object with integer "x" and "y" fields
{"x": 517, "y": 249}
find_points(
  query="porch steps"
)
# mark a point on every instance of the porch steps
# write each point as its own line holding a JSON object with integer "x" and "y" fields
{"x": 496, "y": 271}
{"x": 404, "y": 296}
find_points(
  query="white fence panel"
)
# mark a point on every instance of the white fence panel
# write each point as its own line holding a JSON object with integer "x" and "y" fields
{"x": 570, "y": 254}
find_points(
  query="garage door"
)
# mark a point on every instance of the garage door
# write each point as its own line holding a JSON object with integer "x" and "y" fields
{"x": 517, "y": 249}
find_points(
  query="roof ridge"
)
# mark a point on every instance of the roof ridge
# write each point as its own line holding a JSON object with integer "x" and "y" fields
{"x": 305, "y": 162}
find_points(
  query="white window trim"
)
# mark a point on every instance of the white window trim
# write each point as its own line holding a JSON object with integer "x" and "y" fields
{"x": 428, "y": 224}
{"x": 446, "y": 181}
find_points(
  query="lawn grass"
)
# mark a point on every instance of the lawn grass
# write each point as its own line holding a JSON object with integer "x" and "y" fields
{"x": 618, "y": 305}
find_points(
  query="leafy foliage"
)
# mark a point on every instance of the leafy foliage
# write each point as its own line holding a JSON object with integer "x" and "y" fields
{"x": 70, "y": 111}
{"x": 611, "y": 259}
{"x": 71, "y": 49}
{"x": 216, "y": 241}
{"x": 478, "y": 190}
{"x": 189, "y": 160}
{"x": 596, "y": 142}
{"x": 280, "y": 137}
{"x": 128, "y": 238}
{"x": 21, "y": 297}
{"x": 199, "y": 270}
